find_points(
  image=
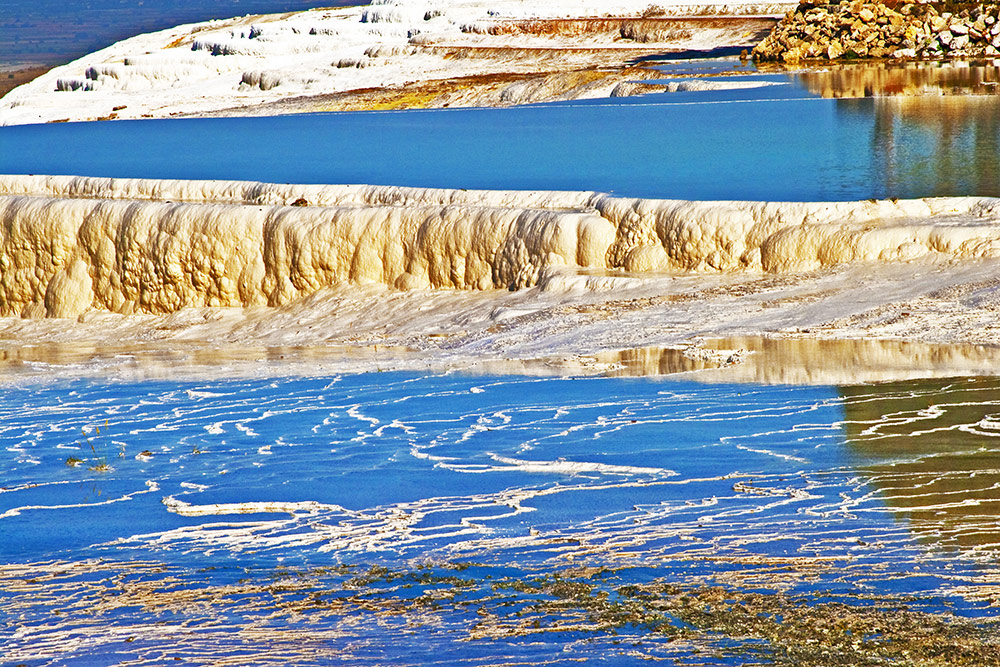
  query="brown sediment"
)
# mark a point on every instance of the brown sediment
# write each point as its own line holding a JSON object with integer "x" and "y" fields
{"x": 478, "y": 89}
{"x": 454, "y": 51}
{"x": 641, "y": 30}
{"x": 110, "y": 603}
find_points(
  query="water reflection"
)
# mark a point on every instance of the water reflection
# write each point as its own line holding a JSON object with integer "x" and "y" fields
{"x": 931, "y": 449}
{"x": 800, "y": 361}
{"x": 932, "y": 127}
{"x": 933, "y": 143}
{"x": 904, "y": 79}
{"x": 193, "y": 360}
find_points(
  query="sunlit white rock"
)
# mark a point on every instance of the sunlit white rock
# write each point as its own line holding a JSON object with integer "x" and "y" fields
{"x": 251, "y": 60}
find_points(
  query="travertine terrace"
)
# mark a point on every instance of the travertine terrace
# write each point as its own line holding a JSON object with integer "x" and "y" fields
{"x": 157, "y": 246}
{"x": 480, "y": 275}
{"x": 471, "y": 276}
{"x": 391, "y": 54}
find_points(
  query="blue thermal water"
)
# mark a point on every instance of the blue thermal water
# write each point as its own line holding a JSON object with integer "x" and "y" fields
{"x": 363, "y": 444}
{"x": 200, "y": 513}
{"x": 339, "y": 460}
{"x": 772, "y": 143}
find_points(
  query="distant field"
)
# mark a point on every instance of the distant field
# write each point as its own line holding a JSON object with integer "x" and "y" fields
{"x": 14, "y": 77}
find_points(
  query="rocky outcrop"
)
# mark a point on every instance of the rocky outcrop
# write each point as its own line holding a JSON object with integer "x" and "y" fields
{"x": 859, "y": 29}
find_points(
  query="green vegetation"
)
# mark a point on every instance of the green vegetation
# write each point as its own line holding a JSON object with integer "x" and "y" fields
{"x": 101, "y": 447}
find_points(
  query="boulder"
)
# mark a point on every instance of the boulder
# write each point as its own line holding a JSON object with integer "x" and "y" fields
{"x": 863, "y": 29}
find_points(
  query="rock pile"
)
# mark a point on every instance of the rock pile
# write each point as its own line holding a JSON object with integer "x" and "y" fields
{"x": 860, "y": 29}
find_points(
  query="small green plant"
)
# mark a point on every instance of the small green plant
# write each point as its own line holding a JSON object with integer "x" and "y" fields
{"x": 101, "y": 448}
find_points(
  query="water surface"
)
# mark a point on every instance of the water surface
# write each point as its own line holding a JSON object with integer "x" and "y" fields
{"x": 781, "y": 142}
{"x": 479, "y": 520}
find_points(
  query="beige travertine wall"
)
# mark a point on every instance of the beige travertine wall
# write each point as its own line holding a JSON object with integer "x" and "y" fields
{"x": 72, "y": 244}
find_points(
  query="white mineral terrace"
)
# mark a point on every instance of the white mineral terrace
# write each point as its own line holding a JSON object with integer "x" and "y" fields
{"x": 513, "y": 51}
{"x": 475, "y": 276}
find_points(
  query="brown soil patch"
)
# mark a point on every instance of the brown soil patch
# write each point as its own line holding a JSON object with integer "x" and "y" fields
{"x": 12, "y": 78}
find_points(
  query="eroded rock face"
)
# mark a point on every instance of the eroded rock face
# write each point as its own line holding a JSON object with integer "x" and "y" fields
{"x": 859, "y": 29}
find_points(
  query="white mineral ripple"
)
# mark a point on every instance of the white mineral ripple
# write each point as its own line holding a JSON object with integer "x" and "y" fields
{"x": 876, "y": 489}
{"x": 151, "y": 487}
{"x": 187, "y": 509}
{"x": 585, "y": 491}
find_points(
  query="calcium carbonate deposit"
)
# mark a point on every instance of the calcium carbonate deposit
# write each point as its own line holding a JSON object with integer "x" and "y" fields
{"x": 390, "y": 54}
{"x": 74, "y": 244}
{"x": 490, "y": 274}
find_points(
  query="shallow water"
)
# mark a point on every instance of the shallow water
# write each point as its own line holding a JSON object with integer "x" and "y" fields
{"x": 743, "y": 359}
{"x": 414, "y": 518}
{"x": 778, "y": 142}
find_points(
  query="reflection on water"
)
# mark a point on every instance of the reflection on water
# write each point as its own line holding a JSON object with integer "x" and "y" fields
{"x": 802, "y": 361}
{"x": 888, "y": 79}
{"x": 743, "y": 359}
{"x": 935, "y": 126}
{"x": 932, "y": 448}
{"x": 933, "y": 144}
{"x": 195, "y": 360}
